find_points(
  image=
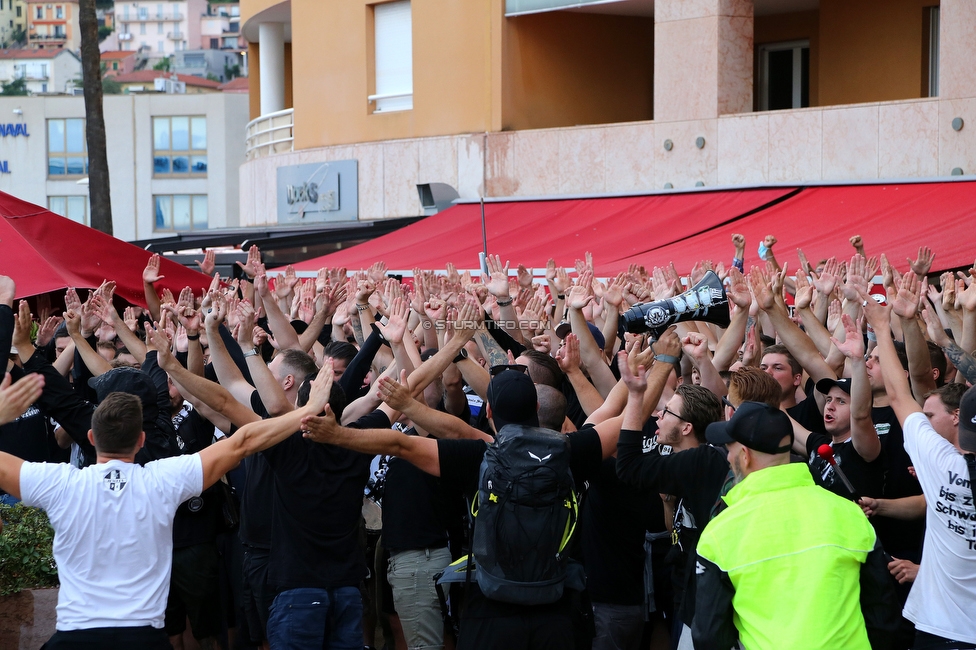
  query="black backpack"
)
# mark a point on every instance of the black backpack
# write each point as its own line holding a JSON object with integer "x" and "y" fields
{"x": 525, "y": 514}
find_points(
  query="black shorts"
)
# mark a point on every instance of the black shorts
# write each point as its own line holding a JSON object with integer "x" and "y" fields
{"x": 99, "y": 638}
{"x": 194, "y": 592}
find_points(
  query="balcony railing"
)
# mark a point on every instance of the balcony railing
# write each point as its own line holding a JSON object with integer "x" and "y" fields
{"x": 268, "y": 134}
{"x": 176, "y": 36}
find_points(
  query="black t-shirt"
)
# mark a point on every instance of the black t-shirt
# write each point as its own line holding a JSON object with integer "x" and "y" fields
{"x": 867, "y": 478}
{"x": 613, "y": 520}
{"x": 807, "y": 412}
{"x": 27, "y": 436}
{"x": 255, "y": 509}
{"x": 416, "y": 509}
{"x": 316, "y": 511}
{"x": 899, "y": 537}
{"x": 196, "y": 520}
{"x": 460, "y": 464}
{"x": 698, "y": 477}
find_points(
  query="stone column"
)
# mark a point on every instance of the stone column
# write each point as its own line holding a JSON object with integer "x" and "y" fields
{"x": 703, "y": 51}
{"x": 271, "y": 52}
{"x": 957, "y": 40}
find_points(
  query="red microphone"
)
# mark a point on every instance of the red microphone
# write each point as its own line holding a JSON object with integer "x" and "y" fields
{"x": 827, "y": 453}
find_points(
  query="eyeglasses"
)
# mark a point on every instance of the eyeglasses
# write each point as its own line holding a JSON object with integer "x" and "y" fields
{"x": 725, "y": 400}
{"x": 518, "y": 367}
{"x": 667, "y": 410}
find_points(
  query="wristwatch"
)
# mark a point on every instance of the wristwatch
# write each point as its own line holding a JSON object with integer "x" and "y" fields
{"x": 665, "y": 358}
{"x": 461, "y": 355}
{"x": 253, "y": 352}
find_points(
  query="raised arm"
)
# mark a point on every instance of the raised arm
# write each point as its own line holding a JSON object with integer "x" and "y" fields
{"x": 798, "y": 343}
{"x": 896, "y": 383}
{"x": 221, "y": 457}
{"x": 437, "y": 423}
{"x": 590, "y": 353}
{"x": 197, "y": 388}
{"x": 419, "y": 451}
{"x": 905, "y": 306}
{"x": 96, "y": 363}
{"x": 863, "y": 435}
{"x": 284, "y": 333}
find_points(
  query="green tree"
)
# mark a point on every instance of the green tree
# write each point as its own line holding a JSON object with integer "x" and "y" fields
{"x": 163, "y": 64}
{"x": 99, "y": 194}
{"x": 110, "y": 86}
{"x": 103, "y": 33}
{"x": 15, "y": 87}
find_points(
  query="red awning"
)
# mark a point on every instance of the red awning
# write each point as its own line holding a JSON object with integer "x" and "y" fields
{"x": 687, "y": 227}
{"x": 530, "y": 232}
{"x": 894, "y": 219}
{"x": 45, "y": 252}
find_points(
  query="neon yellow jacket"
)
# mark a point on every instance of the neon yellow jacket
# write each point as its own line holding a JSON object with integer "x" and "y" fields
{"x": 783, "y": 564}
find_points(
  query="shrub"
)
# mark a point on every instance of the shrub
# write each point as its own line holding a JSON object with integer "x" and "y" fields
{"x": 26, "y": 557}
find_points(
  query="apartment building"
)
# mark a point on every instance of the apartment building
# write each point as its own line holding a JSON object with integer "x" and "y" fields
{"x": 220, "y": 28}
{"x": 13, "y": 20}
{"x": 157, "y": 29}
{"x": 520, "y": 98}
{"x": 173, "y": 159}
{"x": 45, "y": 71}
{"x": 53, "y": 25}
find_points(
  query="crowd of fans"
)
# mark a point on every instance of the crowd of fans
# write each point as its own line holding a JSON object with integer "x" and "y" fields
{"x": 339, "y": 518}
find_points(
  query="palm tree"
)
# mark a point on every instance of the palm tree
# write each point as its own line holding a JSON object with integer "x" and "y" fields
{"x": 99, "y": 196}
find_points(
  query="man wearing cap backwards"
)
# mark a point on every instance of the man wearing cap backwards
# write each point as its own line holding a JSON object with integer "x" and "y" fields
{"x": 787, "y": 565}
{"x": 113, "y": 521}
{"x": 512, "y": 399}
{"x": 943, "y": 597}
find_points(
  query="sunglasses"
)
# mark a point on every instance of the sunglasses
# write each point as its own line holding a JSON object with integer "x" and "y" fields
{"x": 725, "y": 400}
{"x": 518, "y": 367}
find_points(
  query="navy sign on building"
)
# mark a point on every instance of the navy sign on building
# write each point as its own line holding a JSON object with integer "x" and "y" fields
{"x": 318, "y": 192}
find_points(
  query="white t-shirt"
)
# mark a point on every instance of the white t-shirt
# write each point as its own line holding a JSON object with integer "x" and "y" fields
{"x": 943, "y": 599}
{"x": 113, "y": 535}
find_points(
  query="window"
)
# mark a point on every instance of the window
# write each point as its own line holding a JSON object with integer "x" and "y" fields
{"x": 19, "y": 11}
{"x": 67, "y": 151}
{"x": 159, "y": 28}
{"x": 180, "y": 146}
{"x": 142, "y": 28}
{"x": 214, "y": 43}
{"x": 39, "y": 13}
{"x": 930, "y": 81}
{"x": 784, "y": 75}
{"x": 115, "y": 65}
{"x": 59, "y": 12}
{"x": 143, "y": 13}
{"x": 125, "y": 12}
{"x": 160, "y": 46}
{"x": 72, "y": 207}
{"x": 181, "y": 212}
{"x": 159, "y": 11}
{"x": 393, "y": 61}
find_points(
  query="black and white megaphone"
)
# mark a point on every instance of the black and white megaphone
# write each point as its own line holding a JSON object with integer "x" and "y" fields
{"x": 706, "y": 301}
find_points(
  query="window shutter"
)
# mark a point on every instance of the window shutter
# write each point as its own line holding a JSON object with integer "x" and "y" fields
{"x": 394, "y": 56}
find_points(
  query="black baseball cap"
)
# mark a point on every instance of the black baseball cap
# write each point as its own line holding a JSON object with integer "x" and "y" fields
{"x": 513, "y": 399}
{"x": 755, "y": 425}
{"x": 825, "y": 384}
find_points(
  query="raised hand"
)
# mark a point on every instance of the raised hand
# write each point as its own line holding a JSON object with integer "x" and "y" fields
{"x": 855, "y": 278}
{"x": 395, "y": 393}
{"x": 16, "y": 398}
{"x": 635, "y": 379}
{"x": 47, "y": 330}
{"x": 923, "y": 261}
{"x": 524, "y": 276}
{"x": 208, "y": 263}
{"x": 762, "y": 288}
{"x": 934, "y": 327}
{"x": 804, "y": 292}
{"x": 905, "y": 303}
{"x": 852, "y": 346}
{"x": 150, "y": 274}
{"x": 498, "y": 284}
{"x": 568, "y": 356}
{"x": 739, "y": 242}
{"x": 250, "y": 268}
{"x": 695, "y": 346}
{"x": 877, "y": 315}
{"x": 396, "y": 324}
{"x": 668, "y": 344}
{"x": 825, "y": 282}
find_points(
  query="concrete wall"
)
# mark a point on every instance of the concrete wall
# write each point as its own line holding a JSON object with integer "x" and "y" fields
{"x": 129, "y": 142}
{"x": 903, "y": 139}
